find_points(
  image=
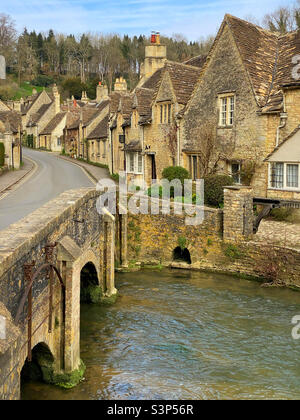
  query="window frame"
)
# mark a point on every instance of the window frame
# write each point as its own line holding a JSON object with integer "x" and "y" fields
{"x": 136, "y": 163}
{"x": 285, "y": 177}
{"x": 227, "y": 109}
{"x": 165, "y": 112}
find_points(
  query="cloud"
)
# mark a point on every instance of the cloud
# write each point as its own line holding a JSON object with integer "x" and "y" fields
{"x": 193, "y": 18}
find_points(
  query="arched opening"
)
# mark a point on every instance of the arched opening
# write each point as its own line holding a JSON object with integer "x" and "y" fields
{"x": 90, "y": 290}
{"x": 182, "y": 255}
{"x": 40, "y": 369}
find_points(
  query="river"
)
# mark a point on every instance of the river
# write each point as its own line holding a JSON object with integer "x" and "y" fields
{"x": 187, "y": 335}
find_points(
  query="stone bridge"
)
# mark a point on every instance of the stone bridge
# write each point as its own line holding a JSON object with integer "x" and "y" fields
{"x": 49, "y": 261}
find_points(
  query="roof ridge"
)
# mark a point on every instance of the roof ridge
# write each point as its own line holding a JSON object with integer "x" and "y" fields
{"x": 228, "y": 15}
{"x": 183, "y": 65}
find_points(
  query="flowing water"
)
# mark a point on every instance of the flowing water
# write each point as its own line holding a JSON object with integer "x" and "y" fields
{"x": 187, "y": 335}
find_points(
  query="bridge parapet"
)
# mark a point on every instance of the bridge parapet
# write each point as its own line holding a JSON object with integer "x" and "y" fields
{"x": 81, "y": 236}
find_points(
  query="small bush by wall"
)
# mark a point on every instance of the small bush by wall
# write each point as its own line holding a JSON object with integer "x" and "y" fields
{"x": 214, "y": 189}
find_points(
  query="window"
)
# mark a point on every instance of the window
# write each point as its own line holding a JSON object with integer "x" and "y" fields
{"x": 169, "y": 113}
{"x": 236, "y": 172}
{"x": 104, "y": 148}
{"x": 193, "y": 163}
{"x": 277, "y": 175}
{"x": 165, "y": 113}
{"x": 292, "y": 176}
{"x": 134, "y": 162}
{"x": 227, "y": 108}
{"x": 58, "y": 141}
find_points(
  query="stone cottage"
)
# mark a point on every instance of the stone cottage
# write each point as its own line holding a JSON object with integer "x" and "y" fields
{"x": 144, "y": 130}
{"x": 245, "y": 105}
{"x": 37, "y": 111}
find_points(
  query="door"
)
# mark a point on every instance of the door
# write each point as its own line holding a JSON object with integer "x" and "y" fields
{"x": 153, "y": 167}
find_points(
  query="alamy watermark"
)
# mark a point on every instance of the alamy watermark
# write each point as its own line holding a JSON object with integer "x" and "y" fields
{"x": 2, "y": 327}
{"x": 2, "y": 67}
{"x": 296, "y": 329}
{"x": 188, "y": 199}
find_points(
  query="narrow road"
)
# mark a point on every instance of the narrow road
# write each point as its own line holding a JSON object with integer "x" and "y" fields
{"x": 52, "y": 177}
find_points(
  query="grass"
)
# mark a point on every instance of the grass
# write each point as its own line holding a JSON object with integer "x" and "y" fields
{"x": 25, "y": 89}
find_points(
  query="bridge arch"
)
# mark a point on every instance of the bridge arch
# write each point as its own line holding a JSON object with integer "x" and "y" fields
{"x": 90, "y": 287}
{"x": 41, "y": 367}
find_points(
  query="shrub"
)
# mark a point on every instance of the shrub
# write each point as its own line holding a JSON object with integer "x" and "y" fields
{"x": 214, "y": 189}
{"x": 2, "y": 153}
{"x": 175, "y": 172}
{"x": 43, "y": 80}
{"x": 155, "y": 190}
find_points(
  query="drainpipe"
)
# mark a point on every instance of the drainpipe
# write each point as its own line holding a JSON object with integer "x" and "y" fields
{"x": 143, "y": 151}
{"x": 178, "y": 142}
{"x": 283, "y": 118}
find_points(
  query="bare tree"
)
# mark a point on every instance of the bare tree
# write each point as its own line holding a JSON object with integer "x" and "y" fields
{"x": 281, "y": 20}
{"x": 8, "y": 37}
{"x": 212, "y": 149}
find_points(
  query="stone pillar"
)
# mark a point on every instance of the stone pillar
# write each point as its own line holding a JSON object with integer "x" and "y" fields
{"x": 238, "y": 213}
{"x": 72, "y": 322}
{"x": 109, "y": 270}
{"x": 123, "y": 218}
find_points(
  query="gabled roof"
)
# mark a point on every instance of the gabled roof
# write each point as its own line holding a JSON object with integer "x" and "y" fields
{"x": 125, "y": 107}
{"x": 53, "y": 123}
{"x": 183, "y": 78}
{"x": 13, "y": 118}
{"x": 142, "y": 102}
{"x": 295, "y": 151}
{"x": 258, "y": 49}
{"x": 197, "y": 61}
{"x": 267, "y": 58}
{"x": 114, "y": 101}
{"x": 34, "y": 118}
{"x": 101, "y": 131}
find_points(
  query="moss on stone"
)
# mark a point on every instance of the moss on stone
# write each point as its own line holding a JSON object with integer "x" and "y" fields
{"x": 109, "y": 300}
{"x": 69, "y": 380}
{"x": 91, "y": 294}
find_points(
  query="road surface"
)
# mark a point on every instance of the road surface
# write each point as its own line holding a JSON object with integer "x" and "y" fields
{"x": 51, "y": 177}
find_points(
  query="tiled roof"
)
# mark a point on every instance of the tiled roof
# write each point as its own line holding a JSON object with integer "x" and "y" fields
{"x": 258, "y": 49}
{"x": 133, "y": 146}
{"x": 198, "y": 61}
{"x": 154, "y": 81}
{"x": 53, "y": 123}
{"x": 101, "y": 131}
{"x": 142, "y": 102}
{"x": 183, "y": 79}
{"x": 87, "y": 113}
{"x": 114, "y": 101}
{"x": 14, "y": 119}
{"x": 125, "y": 106}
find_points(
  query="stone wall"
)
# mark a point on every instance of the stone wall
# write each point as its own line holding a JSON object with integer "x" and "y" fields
{"x": 224, "y": 242}
{"x": 81, "y": 236}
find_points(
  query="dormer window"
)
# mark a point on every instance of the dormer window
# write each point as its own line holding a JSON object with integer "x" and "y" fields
{"x": 226, "y": 110}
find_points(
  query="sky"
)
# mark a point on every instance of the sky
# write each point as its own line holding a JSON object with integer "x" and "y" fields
{"x": 192, "y": 18}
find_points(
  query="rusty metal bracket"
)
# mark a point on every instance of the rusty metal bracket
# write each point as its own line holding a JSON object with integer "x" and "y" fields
{"x": 28, "y": 280}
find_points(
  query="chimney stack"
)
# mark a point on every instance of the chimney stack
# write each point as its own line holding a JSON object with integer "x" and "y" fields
{"x": 56, "y": 99}
{"x": 155, "y": 58}
{"x": 102, "y": 92}
{"x": 120, "y": 85}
